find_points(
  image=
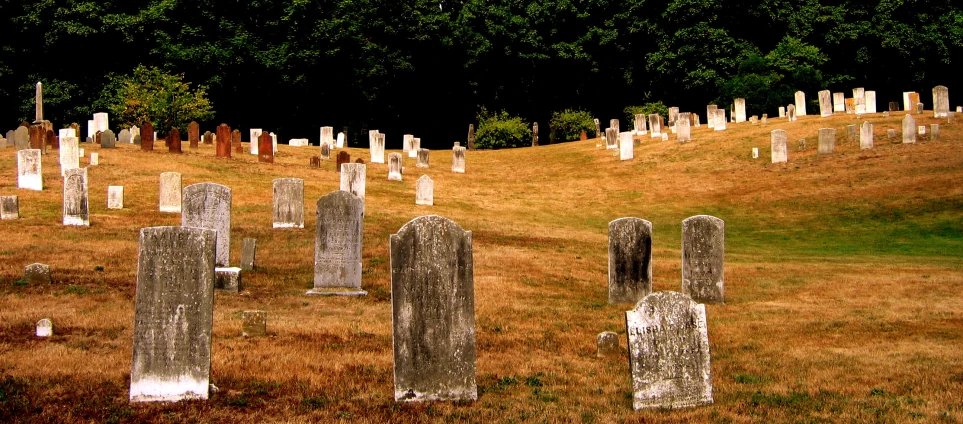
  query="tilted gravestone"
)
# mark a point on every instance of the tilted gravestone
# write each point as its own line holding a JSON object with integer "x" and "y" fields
{"x": 703, "y": 258}
{"x": 208, "y": 205}
{"x": 422, "y": 161}
{"x": 288, "y": 203}
{"x": 909, "y": 129}
{"x": 669, "y": 352}
{"x": 255, "y": 323}
{"x": 630, "y": 260}
{"x": 44, "y": 328}
{"x": 265, "y": 148}
{"x": 108, "y": 140}
{"x": 607, "y": 345}
{"x": 457, "y": 159}
{"x": 115, "y": 197}
{"x": 353, "y": 179}
{"x": 193, "y": 134}
{"x": 425, "y": 191}
{"x": 433, "y": 310}
{"x": 337, "y": 245}
{"x": 69, "y": 154}
{"x": 248, "y": 254}
{"x": 29, "y": 173}
{"x": 174, "y": 141}
{"x": 173, "y": 314}
{"x": 75, "y": 208}
{"x": 36, "y": 273}
{"x": 611, "y": 138}
{"x": 223, "y": 147}
{"x": 866, "y": 136}
{"x": 169, "y": 192}
{"x": 9, "y": 207}
{"x": 394, "y": 166}
{"x": 147, "y": 137}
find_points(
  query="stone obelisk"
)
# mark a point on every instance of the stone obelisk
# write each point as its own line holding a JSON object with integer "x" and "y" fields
{"x": 39, "y": 101}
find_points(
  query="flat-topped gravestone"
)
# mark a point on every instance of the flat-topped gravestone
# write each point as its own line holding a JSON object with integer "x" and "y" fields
{"x": 851, "y": 131}
{"x": 703, "y": 258}
{"x": 353, "y": 177}
{"x": 800, "y": 103}
{"x": 825, "y": 104}
{"x": 377, "y": 147}
{"x": 934, "y": 132}
{"x": 169, "y": 192}
{"x": 425, "y": 191}
{"x": 37, "y": 136}
{"x": 255, "y": 135}
{"x": 827, "y": 140}
{"x": 69, "y": 154}
{"x": 342, "y": 139}
{"x": 75, "y": 210}
{"x": 208, "y": 205}
{"x": 668, "y": 352}
{"x": 115, "y": 197}
{"x": 859, "y": 100}
{"x": 711, "y": 115}
{"x": 44, "y": 328}
{"x": 327, "y": 136}
{"x": 9, "y": 207}
{"x": 922, "y": 129}
{"x": 265, "y": 149}
{"x": 457, "y": 160}
{"x": 611, "y": 138}
{"x": 193, "y": 134}
{"x": 415, "y": 145}
{"x": 720, "y": 121}
{"x": 782, "y": 111}
{"x": 626, "y": 146}
{"x": 655, "y": 124}
{"x": 614, "y": 123}
{"x": 639, "y": 124}
{"x": 147, "y": 137}
{"x": 839, "y": 102}
{"x": 326, "y": 151}
{"x": 423, "y": 156}
{"x": 337, "y": 245}
{"x": 909, "y": 129}
{"x": 254, "y": 323}
{"x": 683, "y": 128}
{"x": 236, "y": 141}
{"x": 893, "y": 106}
{"x": 248, "y": 254}
{"x": 288, "y": 203}
{"x": 630, "y": 260}
{"x": 755, "y": 153}
{"x": 37, "y": 273}
{"x": 407, "y": 142}
{"x": 223, "y": 147}
{"x": 174, "y": 141}
{"x": 870, "y": 101}
{"x": 866, "y": 136}
{"x": 607, "y": 345}
{"x": 471, "y": 135}
{"x": 227, "y": 279}
{"x": 394, "y": 166}
{"x": 941, "y": 101}
{"x": 891, "y": 133}
{"x": 740, "y": 105}
{"x": 173, "y": 314}
{"x": 29, "y": 174}
{"x": 433, "y": 311}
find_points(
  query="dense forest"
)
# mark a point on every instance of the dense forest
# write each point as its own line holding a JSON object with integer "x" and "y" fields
{"x": 428, "y": 67}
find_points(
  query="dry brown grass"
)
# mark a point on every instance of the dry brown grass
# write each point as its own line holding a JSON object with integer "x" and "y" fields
{"x": 843, "y": 283}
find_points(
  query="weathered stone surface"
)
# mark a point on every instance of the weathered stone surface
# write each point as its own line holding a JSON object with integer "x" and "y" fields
{"x": 236, "y": 141}
{"x": 893, "y": 106}
{"x": 630, "y": 260}
{"x": 909, "y": 129}
{"x": 720, "y": 122}
{"x": 851, "y": 131}
{"x": 941, "y": 101}
{"x": 289, "y": 203}
{"x": 193, "y": 134}
{"x": 325, "y": 151}
{"x": 655, "y": 125}
{"x": 433, "y": 310}
{"x": 327, "y": 136}
{"x": 9, "y": 207}
{"x": 669, "y": 352}
{"x": 94, "y": 159}
{"x": 376, "y": 146}
{"x": 44, "y": 328}
{"x": 394, "y": 166}
{"x": 471, "y": 135}
{"x": 791, "y": 112}
{"x": 207, "y": 137}
{"x": 147, "y": 137}
{"x": 611, "y": 138}
{"x": 407, "y": 143}
{"x": 108, "y": 140}
{"x": 337, "y": 244}
{"x": 115, "y": 197}
{"x": 626, "y": 145}
{"x": 423, "y": 156}
{"x": 353, "y": 176}
{"x": 683, "y": 128}
{"x": 782, "y": 111}
{"x": 208, "y": 205}
{"x": 174, "y": 314}
{"x": 413, "y": 149}
{"x": 534, "y": 134}
{"x": 891, "y": 133}
{"x": 866, "y": 136}
{"x": 254, "y": 323}
{"x": 827, "y": 140}
{"x": 740, "y": 106}
{"x": 169, "y": 192}
{"x": 425, "y": 191}
{"x": 75, "y": 208}
{"x": 711, "y": 116}
{"x": 342, "y": 158}
{"x": 614, "y": 123}
{"x": 37, "y": 136}
{"x": 934, "y": 132}
{"x": 457, "y": 160}
{"x": 124, "y": 137}
{"x": 29, "y": 173}
{"x": 800, "y": 103}
{"x": 607, "y": 345}
{"x": 35, "y": 274}
{"x": 69, "y": 154}
{"x": 265, "y": 148}
{"x": 227, "y": 279}
{"x": 255, "y": 135}
{"x": 755, "y": 153}
{"x": 825, "y": 104}
{"x": 639, "y": 124}
{"x": 914, "y": 100}
{"x": 870, "y": 101}
{"x": 703, "y": 258}
{"x": 248, "y": 254}
{"x": 859, "y": 100}
{"x": 839, "y": 102}
{"x": 223, "y": 147}
{"x": 174, "y": 141}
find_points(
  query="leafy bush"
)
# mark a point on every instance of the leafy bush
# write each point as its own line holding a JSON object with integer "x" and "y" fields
{"x": 499, "y": 131}
{"x": 647, "y": 109}
{"x": 567, "y": 125}
{"x": 152, "y": 95}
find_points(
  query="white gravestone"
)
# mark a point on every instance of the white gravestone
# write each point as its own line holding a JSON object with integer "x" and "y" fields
{"x": 69, "y": 154}
{"x": 115, "y": 197}
{"x": 778, "y": 146}
{"x": 406, "y": 143}
{"x": 101, "y": 122}
{"x": 169, "y": 192}
{"x": 44, "y": 328}
{"x": 825, "y": 104}
{"x": 870, "y": 101}
{"x": 327, "y": 136}
{"x": 94, "y": 159}
{"x": 254, "y": 134}
{"x": 800, "y": 103}
{"x": 353, "y": 179}
{"x": 425, "y": 191}
{"x": 208, "y": 205}
{"x": 655, "y": 123}
{"x": 866, "y": 136}
{"x": 859, "y": 100}
{"x": 626, "y": 145}
{"x": 288, "y": 203}
{"x": 394, "y": 166}
{"x": 458, "y": 159}
{"x": 377, "y": 146}
{"x": 341, "y": 139}
{"x": 711, "y": 116}
{"x": 941, "y": 101}
{"x": 683, "y": 127}
{"x": 740, "y": 110}
{"x": 29, "y": 173}
{"x": 720, "y": 121}
{"x": 909, "y": 129}
{"x": 839, "y": 102}
{"x": 423, "y": 158}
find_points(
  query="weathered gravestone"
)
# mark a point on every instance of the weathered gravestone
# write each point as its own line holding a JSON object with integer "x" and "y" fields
{"x": 223, "y": 148}
{"x": 227, "y": 279}
{"x": 337, "y": 245}
{"x": 340, "y": 142}
{"x": 147, "y": 137}
{"x": 851, "y": 131}
{"x": 254, "y": 323}
{"x": 614, "y": 123}
{"x": 37, "y": 136}
{"x": 51, "y": 141}
{"x": 607, "y": 345}
{"x": 740, "y": 105}
{"x": 909, "y": 129}
{"x": 825, "y": 104}
{"x": 683, "y": 127}
{"x": 782, "y": 111}
{"x": 207, "y": 138}
{"x": 703, "y": 258}
{"x": 433, "y": 310}
{"x": 630, "y": 260}
{"x": 288, "y": 203}
{"x": 376, "y": 147}
{"x": 893, "y": 106}
{"x": 21, "y": 138}
{"x": 69, "y": 154}
{"x": 720, "y": 121}
{"x": 208, "y": 205}
{"x": 36, "y": 273}
{"x": 236, "y": 141}
{"x": 457, "y": 159}
{"x": 639, "y": 126}
{"x": 248, "y": 254}
{"x": 326, "y": 151}
{"x": 870, "y": 101}
{"x": 919, "y": 108}
{"x": 124, "y": 137}
{"x": 265, "y": 149}
{"x": 934, "y": 132}
{"x": 941, "y": 101}
{"x": 626, "y": 146}
{"x": 94, "y": 159}
{"x": 655, "y": 125}
{"x": 193, "y": 134}
{"x": 534, "y": 134}
{"x": 353, "y": 179}
{"x": 9, "y": 207}
{"x": 839, "y": 102}
{"x": 108, "y": 140}
{"x": 914, "y": 100}
{"x": 255, "y": 135}
{"x": 29, "y": 174}
{"x": 425, "y": 191}
{"x": 44, "y": 328}
{"x": 827, "y": 140}
{"x": 406, "y": 143}
{"x": 669, "y": 352}
{"x": 859, "y": 100}
{"x": 315, "y": 162}
{"x": 342, "y": 158}
{"x": 598, "y": 132}
{"x": 174, "y": 141}
{"x": 115, "y": 197}
{"x": 471, "y": 135}
{"x": 800, "y": 103}
{"x": 791, "y": 112}
{"x": 866, "y": 135}
{"x": 611, "y": 138}
{"x": 327, "y": 136}
{"x": 170, "y": 192}
{"x": 711, "y": 115}
{"x": 423, "y": 156}
{"x": 173, "y": 314}
{"x": 891, "y": 134}
{"x": 394, "y": 166}
{"x": 75, "y": 208}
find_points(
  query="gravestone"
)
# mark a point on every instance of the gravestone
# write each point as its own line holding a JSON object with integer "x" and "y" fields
{"x": 174, "y": 141}
{"x": 457, "y": 160}
{"x": 433, "y": 311}
{"x": 255, "y": 135}
{"x": 941, "y": 101}
{"x": 859, "y": 100}
{"x": 711, "y": 115}
{"x": 703, "y": 258}
{"x": 765, "y": 118}
{"x": 265, "y": 148}
{"x": 909, "y": 129}
{"x": 342, "y": 139}
{"x": 922, "y": 129}
{"x": 534, "y": 134}
{"x": 343, "y": 157}
{"x": 207, "y": 138}
{"x": 839, "y": 102}
{"x": 21, "y": 138}
{"x": 740, "y": 105}
{"x": 75, "y": 208}
{"x": 791, "y": 112}
{"x": 37, "y": 136}
{"x": 29, "y": 172}
{"x": 614, "y": 123}
{"x": 136, "y": 140}
{"x": 655, "y": 124}
{"x": 934, "y": 132}
{"x": 630, "y": 260}
{"x": 69, "y": 154}
{"x": 325, "y": 151}
{"x": 639, "y": 126}
{"x": 173, "y": 314}
{"x": 147, "y": 137}
{"x": 51, "y": 141}
{"x": 108, "y": 140}
{"x": 9, "y": 207}
{"x": 115, "y": 197}
{"x": 289, "y": 203}
{"x": 626, "y": 146}
{"x": 607, "y": 345}
{"x": 394, "y": 166}
{"x": 914, "y": 100}
{"x": 422, "y": 161}
{"x": 236, "y": 141}
{"x": 248, "y": 254}
{"x": 223, "y": 148}
{"x": 254, "y": 323}
{"x": 611, "y": 138}
{"x": 720, "y": 121}
{"x": 851, "y": 131}
{"x": 891, "y": 134}
{"x": 193, "y": 134}
{"x": 376, "y": 146}
{"x": 227, "y": 279}
{"x": 800, "y": 103}
{"x": 893, "y": 106}
{"x": 673, "y": 116}
{"x": 919, "y": 108}
{"x": 755, "y": 153}
{"x": 866, "y": 136}
{"x": 598, "y": 130}
{"x": 337, "y": 244}
{"x": 415, "y": 145}
{"x": 471, "y": 135}
{"x": 870, "y": 101}
{"x": 825, "y": 104}
{"x": 425, "y": 191}
{"x": 315, "y": 162}
{"x": 327, "y": 136}
{"x": 169, "y": 192}
{"x": 406, "y": 143}
{"x": 208, "y": 205}
{"x": 76, "y": 127}
{"x": 101, "y": 121}
{"x": 124, "y": 137}
{"x": 683, "y": 127}
{"x": 782, "y": 111}
{"x": 353, "y": 179}
{"x": 44, "y": 328}
{"x": 827, "y": 140}
{"x": 35, "y": 274}
{"x": 669, "y": 352}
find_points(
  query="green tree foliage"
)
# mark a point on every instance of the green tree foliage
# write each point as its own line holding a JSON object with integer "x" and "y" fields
{"x": 500, "y": 130}
{"x": 150, "y": 94}
{"x": 567, "y": 125}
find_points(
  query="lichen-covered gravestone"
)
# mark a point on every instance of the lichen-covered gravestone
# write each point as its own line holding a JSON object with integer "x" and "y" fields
{"x": 683, "y": 127}
{"x": 630, "y": 260}
{"x": 703, "y": 258}
{"x": 34, "y": 274}
{"x": 607, "y": 345}
{"x": 76, "y": 210}
{"x": 170, "y": 192}
{"x": 422, "y": 161}
{"x": 425, "y": 191}
{"x": 457, "y": 159}
{"x": 9, "y": 207}
{"x": 248, "y": 254}
{"x": 337, "y": 245}
{"x": 433, "y": 310}
{"x": 288, "y": 203}
{"x": 29, "y": 175}
{"x": 173, "y": 314}
{"x": 827, "y": 140}
{"x": 208, "y": 205}
{"x": 376, "y": 144}
{"x": 668, "y": 352}
{"x": 227, "y": 279}
{"x": 394, "y": 166}
{"x": 353, "y": 179}
{"x": 255, "y": 323}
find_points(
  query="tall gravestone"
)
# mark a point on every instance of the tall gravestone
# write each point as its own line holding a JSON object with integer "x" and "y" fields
{"x": 941, "y": 101}
{"x": 471, "y": 136}
{"x": 425, "y": 191}
{"x": 800, "y": 103}
{"x": 778, "y": 146}
{"x": 173, "y": 314}
{"x": 236, "y": 141}
{"x": 433, "y": 311}
{"x": 639, "y": 126}
{"x": 353, "y": 177}
{"x": 174, "y": 141}
{"x": 655, "y": 125}
{"x": 423, "y": 158}
{"x": 223, "y": 147}
{"x": 630, "y": 260}
{"x": 839, "y": 102}
{"x": 394, "y": 166}
{"x": 598, "y": 132}
{"x": 711, "y": 115}
{"x": 51, "y": 141}
{"x": 740, "y": 105}
{"x": 669, "y": 352}
{"x": 208, "y": 205}
{"x": 327, "y": 136}
{"x": 909, "y": 129}
{"x": 37, "y": 136}
{"x": 265, "y": 149}
{"x": 255, "y": 135}
{"x": 827, "y": 140}
{"x": 866, "y": 135}
{"x": 703, "y": 258}
{"x": 825, "y": 104}
{"x": 147, "y": 137}
{"x": 29, "y": 172}
{"x": 626, "y": 146}
{"x": 248, "y": 254}
{"x": 870, "y": 101}
{"x": 75, "y": 208}
{"x": 194, "y": 134}
{"x": 683, "y": 127}
{"x": 69, "y": 154}
{"x": 337, "y": 245}
{"x": 859, "y": 100}
{"x": 406, "y": 143}
{"x": 169, "y": 192}
{"x": 288, "y": 203}
{"x": 611, "y": 138}
{"x": 458, "y": 159}
{"x": 325, "y": 151}
{"x": 614, "y": 123}
{"x": 673, "y": 116}
{"x": 534, "y": 134}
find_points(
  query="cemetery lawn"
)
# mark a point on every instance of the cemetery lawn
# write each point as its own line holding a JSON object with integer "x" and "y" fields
{"x": 844, "y": 281}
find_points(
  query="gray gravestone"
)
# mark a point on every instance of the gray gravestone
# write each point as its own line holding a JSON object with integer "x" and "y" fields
{"x": 75, "y": 208}
{"x": 866, "y": 135}
{"x": 255, "y": 323}
{"x": 778, "y": 146}
{"x": 941, "y": 101}
{"x": 289, "y": 202}
{"x": 208, "y": 205}
{"x": 611, "y": 138}
{"x": 11, "y": 138}
{"x": 170, "y": 192}
{"x": 851, "y": 131}
{"x": 891, "y": 133}
{"x": 457, "y": 160}
{"x": 909, "y": 129}
{"x": 9, "y": 207}
{"x": 124, "y": 137}
{"x": 607, "y": 345}
{"x": 433, "y": 310}
{"x": 630, "y": 260}
{"x": 669, "y": 352}
{"x": 425, "y": 191}
{"x": 44, "y": 328}
{"x": 394, "y": 166}
{"x": 422, "y": 158}
{"x": 683, "y": 127}
{"x": 34, "y": 274}
{"x": 934, "y": 132}
{"x": 227, "y": 279}
{"x": 21, "y": 138}
{"x": 353, "y": 176}
{"x": 337, "y": 245}
{"x": 108, "y": 140}
{"x": 248, "y": 254}
{"x": 136, "y": 140}
{"x": 703, "y": 258}
{"x": 174, "y": 314}
{"x": 711, "y": 115}
{"x": 827, "y": 140}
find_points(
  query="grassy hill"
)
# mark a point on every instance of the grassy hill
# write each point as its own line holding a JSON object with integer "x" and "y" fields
{"x": 844, "y": 277}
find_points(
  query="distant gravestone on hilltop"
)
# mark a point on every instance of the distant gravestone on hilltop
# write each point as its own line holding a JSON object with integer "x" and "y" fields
{"x": 337, "y": 245}
{"x": 703, "y": 258}
{"x": 394, "y": 166}
{"x": 75, "y": 207}
{"x": 825, "y": 104}
{"x": 208, "y": 205}
{"x": 778, "y": 146}
{"x": 941, "y": 101}
{"x": 800, "y": 103}
{"x": 433, "y": 311}
{"x": 683, "y": 127}
{"x": 630, "y": 260}
{"x": 839, "y": 102}
{"x": 457, "y": 159}
{"x": 740, "y": 105}
{"x": 288, "y": 203}
{"x": 174, "y": 141}
{"x": 471, "y": 135}
{"x": 423, "y": 158}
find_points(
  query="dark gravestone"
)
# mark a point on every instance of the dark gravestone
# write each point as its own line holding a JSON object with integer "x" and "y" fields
{"x": 51, "y": 141}
{"x": 173, "y": 314}
{"x": 471, "y": 136}
{"x": 630, "y": 260}
{"x": 208, "y": 137}
{"x": 137, "y": 140}
{"x": 223, "y": 141}
{"x": 75, "y": 210}
{"x": 76, "y": 128}
{"x": 35, "y": 274}
{"x": 193, "y": 134}
{"x": 254, "y": 323}
{"x": 337, "y": 245}
{"x": 146, "y": 137}
{"x": 288, "y": 203}
{"x": 108, "y": 140}
{"x": 343, "y": 157}
{"x": 248, "y": 254}
{"x": 9, "y": 207}
{"x": 315, "y": 161}
{"x": 208, "y": 205}
{"x": 394, "y": 166}
{"x": 265, "y": 148}
{"x": 325, "y": 151}
{"x": 703, "y": 258}
{"x": 37, "y": 136}
{"x": 174, "y": 141}
{"x": 236, "y": 141}
{"x": 96, "y": 138}
{"x": 433, "y": 311}
{"x": 359, "y": 160}
{"x": 423, "y": 158}
{"x": 893, "y": 106}
{"x": 611, "y": 138}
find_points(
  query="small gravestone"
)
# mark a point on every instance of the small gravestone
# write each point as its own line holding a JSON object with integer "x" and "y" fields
{"x": 607, "y": 345}
{"x": 193, "y": 134}
{"x": 147, "y": 137}
{"x": 909, "y": 129}
{"x": 433, "y": 311}
{"x": 825, "y": 103}
{"x": 683, "y": 127}
{"x": 75, "y": 210}
{"x": 69, "y": 154}
{"x": 866, "y": 136}
{"x": 353, "y": 179}
{"x": 611, "y": 138}
{"x": 208, "y": 205}
{"x": 265, "y": 148}
{"x": 21, "y": 138}
{"x": 422, "y": 161}
{"x": 207, "y": 138}
{"x": 29, "y": 175}
{"x": 289, "y": 202}
{"x": 626, "y": 146}
{"x": 94, "y": 159}
{"x": 359, "y": 160}
{"x": 223, "y": 147}
{"x": 9, "y": 207}
{"x": 173, "y": 314}
{"x": 755, "y": 153}
{"x": 315, "y": 162}
{"x": 891, "y": 133}
{"x": 136, "y": 140}
{"x": 839, "y": 102}
{"x": 115, "y": 197}
{"x": 227, "y": 279}
{"x": 598, "y": 132}
{"x": 893, "y": 106}
{"x": 236, "y": 141}
{"x": 34, "y": 274}
{"x": 415, "y": 145}
{"x": 791, "y": 112}
{"x": 425, "y": 191}
{"x": 919, "y": 108}
{"x": 325, "y": 151}
{"x": 457, "y": 160}
{"x": 248, "y": 254}
{"x": 407, "y": 143}
{"x": 703, "y": 258}
{"x": 341, "y": 140}
{"x": 376, "y": 145}
{"x": 827, "y": 140}
{"x": 337, "y": 245}
{"x": 108, "y": 140}
{"x": 851, "y": 131}
{"x": 170, "y": 192}
{"x": 471, "y": 135}
{"x": 922, "y": 129}
{"x": 669, "y": 352}
{"x": 665, "y": 136}
{"x": 630, "y": 260}
{"x": 254, "y": 323}
{"x": 44, "y": 328}
{"x": 934, "y": 132}
{"x": 80, "y": 153}
{"x": 778, "y": 146}
{"x": 782, "y": 111}
{"x": 394, "y": 166}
